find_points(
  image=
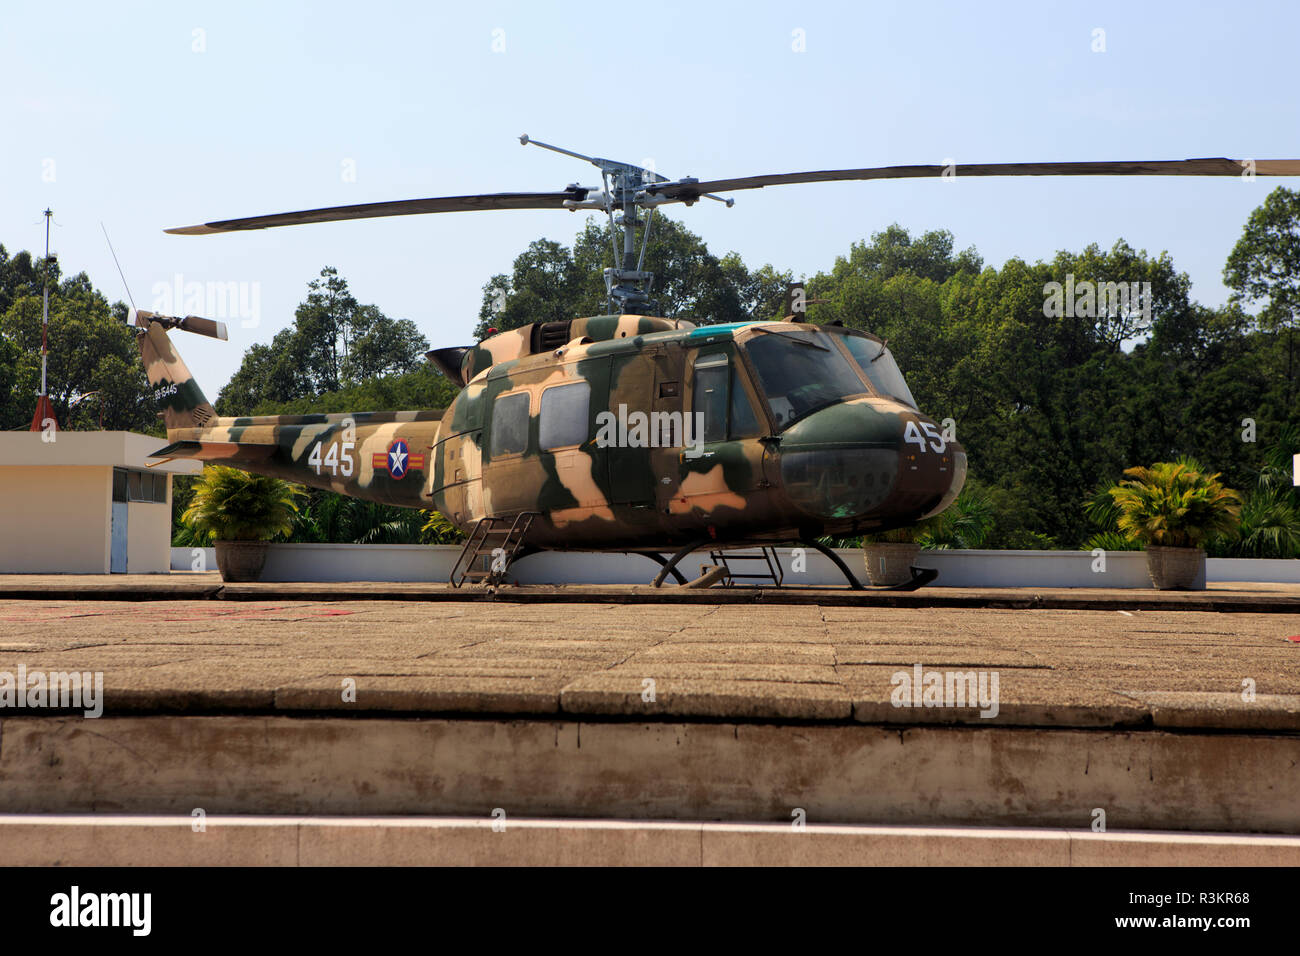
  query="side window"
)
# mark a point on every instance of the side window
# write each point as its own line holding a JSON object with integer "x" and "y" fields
{"x": 509, "y": 424}
{"x": 744, "y": 423}
{"x": 709, "y": 394}
{"x": 726, "y": 407}
{"x": 564, "y": 415}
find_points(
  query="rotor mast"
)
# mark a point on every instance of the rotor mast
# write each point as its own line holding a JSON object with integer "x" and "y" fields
{"x": 627, "y": 284}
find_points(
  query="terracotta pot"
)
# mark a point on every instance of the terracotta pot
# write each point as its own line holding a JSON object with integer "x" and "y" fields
{"x": 241, "y": 560}
{"x": 889, "y": 562}
{"x": 1176, "y": 569}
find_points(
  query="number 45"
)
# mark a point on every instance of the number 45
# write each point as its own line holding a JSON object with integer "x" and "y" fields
{"x": 913, "y": 434}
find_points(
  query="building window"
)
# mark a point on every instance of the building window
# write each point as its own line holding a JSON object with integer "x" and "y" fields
{"x": 564, "y": 416}
{"x": 131, "y": 485}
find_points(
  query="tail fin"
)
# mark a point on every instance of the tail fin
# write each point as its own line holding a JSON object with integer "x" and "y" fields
{"x": 183, "y": 403}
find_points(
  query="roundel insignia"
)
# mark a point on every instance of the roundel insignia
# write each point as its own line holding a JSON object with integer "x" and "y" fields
{"x": 399, "y": 459}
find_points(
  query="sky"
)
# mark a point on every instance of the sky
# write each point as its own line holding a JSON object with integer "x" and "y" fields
{"x": 143, "y": 116}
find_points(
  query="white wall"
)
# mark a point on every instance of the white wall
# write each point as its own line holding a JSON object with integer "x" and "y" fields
{"x": 1273, "y": 570}
{"x": 149, "y": 533}
{"x": 55, "y": 519}
{"x": 983, "y": 569}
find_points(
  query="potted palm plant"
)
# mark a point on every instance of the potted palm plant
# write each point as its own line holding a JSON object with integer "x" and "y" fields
{"x": 1173, "y": 509}
{"x": 241, "y": 513}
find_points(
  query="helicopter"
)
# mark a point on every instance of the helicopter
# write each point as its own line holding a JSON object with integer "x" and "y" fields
{"x": 627, "y": 432}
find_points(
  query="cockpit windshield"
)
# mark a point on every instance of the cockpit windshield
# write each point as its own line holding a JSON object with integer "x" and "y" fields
{"x": 800, "y": 371}
{"x": 878, "y": 362}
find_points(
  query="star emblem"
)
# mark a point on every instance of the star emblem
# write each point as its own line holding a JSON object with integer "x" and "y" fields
{"x": 397, "y": 460}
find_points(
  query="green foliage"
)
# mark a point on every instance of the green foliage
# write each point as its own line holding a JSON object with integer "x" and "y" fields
{"x": 1270, "y": 514}
{"x": 233, "y": 505}
{"x": 91, "y": 349}
{"x": 423, "y": 387}
{"x": 831, "y": 541}
{"x": 1100, "y": 508}
{"x": 1175, "y": 504}
{"x": 966, "y": 523}
{"x": 183, "y": 536}
{"x": 1265, "y": 262}
{"x": 438, "y": 530}
{"x": 330, "y": 518}
{"x": 336, "y": 343}
{"x": 1270, "y": 528}
{"x": 1111, "y": 541}
{"x": 550, "y": 283}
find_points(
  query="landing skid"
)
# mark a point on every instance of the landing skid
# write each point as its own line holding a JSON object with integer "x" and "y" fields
{"x": 920, "y": 578}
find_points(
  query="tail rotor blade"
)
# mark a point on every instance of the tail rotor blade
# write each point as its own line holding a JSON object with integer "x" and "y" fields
{"x": 191, "y": 323}
{"x": 208, "y": 327}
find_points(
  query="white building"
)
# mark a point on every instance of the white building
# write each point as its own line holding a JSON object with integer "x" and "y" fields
{"x": 85, "y": 503}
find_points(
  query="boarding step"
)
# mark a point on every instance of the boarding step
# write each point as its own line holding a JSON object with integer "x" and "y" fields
{"x": 771, "y": 571}
{"x": 490, "y": 548}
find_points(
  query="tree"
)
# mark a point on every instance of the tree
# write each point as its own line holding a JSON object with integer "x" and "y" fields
{"x": 1265, "y": 265}
{"x": 894, "y": 251}
{"x": 22, "y": 275}
{"x": 543, "y": 286}
{"x": 91, "y": 349}
{"x": 335, "y": 343}
{"x": 549, "y": 282}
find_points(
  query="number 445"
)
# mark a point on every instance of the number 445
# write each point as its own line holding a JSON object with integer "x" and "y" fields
{"x": 338, "y": 459}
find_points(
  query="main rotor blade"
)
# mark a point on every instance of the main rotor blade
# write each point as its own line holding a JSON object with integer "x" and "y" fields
{"x": 1160, "y": 167}
{"x": 401, "y": 207}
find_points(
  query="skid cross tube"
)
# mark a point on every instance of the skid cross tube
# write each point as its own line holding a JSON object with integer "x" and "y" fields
{"x": 671, "y": 565}
{"x": 854, "y": 583}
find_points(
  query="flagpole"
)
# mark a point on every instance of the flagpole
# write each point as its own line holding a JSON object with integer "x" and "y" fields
{"x": 44, "y": 408}
{"x": 45, "y": 306}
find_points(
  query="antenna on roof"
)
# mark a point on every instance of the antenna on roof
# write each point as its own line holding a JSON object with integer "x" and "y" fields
{"x": 113, "y": 252}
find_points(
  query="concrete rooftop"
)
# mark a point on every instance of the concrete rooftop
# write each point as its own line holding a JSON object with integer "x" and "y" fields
{"x": 1055, "y": 667}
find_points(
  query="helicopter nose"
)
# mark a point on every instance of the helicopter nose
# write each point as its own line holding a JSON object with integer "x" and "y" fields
{"x": 932, "y": 467}
{"x": 857, "y": 459}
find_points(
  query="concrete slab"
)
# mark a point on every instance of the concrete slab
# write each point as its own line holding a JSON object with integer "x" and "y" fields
{"x": 1054, "y": 668}
{"x": 1222, "y": 596}
{"x": 692, "y": 769}
{"x": 1167, "y": 719}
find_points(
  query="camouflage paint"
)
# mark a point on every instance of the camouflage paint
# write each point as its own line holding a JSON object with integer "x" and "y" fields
{"x": 588, "y": 497}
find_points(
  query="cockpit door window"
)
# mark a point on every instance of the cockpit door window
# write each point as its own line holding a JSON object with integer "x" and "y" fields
{"x": 718, "y": 394}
